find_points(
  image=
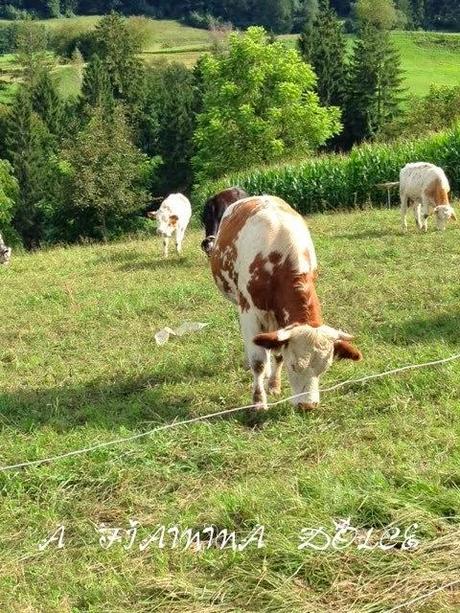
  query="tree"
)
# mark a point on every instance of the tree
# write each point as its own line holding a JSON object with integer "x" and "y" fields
{"x": 105, "y": 177}
{"x": 168, "y": 124}
{"x": 28, "y": 146}
{"x": 96, "y": 87}
{"x": 324, "y": 46}
{"x": 259, "y": 106}
{"x": 374, "y": 91}
{"x": 47, "y": 103}
{"x": 118, "y": 46}
{"x": 378, "y": 13}
{"x": 9, "y": 191}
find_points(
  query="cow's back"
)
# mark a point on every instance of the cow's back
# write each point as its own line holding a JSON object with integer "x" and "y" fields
{"x": 422, "y": 178}
{"x": 178, "y": 205}
{"x": 259, "y": 238}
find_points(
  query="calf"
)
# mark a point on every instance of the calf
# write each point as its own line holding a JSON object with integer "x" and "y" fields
{"x": 264, "y": 261}
{"x": 213, "y": 211}
{"x": 5, "y": 253}
{"x": 172, "y": 216}
{"x": 426, "y": 187}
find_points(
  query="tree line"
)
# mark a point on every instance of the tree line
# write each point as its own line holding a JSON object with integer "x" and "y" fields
{"x": 87, "y": 167}
{"x": 275, "y": 15}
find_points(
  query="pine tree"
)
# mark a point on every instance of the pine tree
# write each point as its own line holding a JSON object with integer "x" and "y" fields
{"x": 28, "y": 147}
{"x": 118, "y": 48}
{"x": 47, "y": 103}
{"x": 374, "y": 90}
{"x": 96, "y": 88}
{"x": 323, "y": 45}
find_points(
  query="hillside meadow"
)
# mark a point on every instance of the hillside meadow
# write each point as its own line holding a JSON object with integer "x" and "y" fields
{"x": 426, "y": 57}
{"x": 79, "y": 366}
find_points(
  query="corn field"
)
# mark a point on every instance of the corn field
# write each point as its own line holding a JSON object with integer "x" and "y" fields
{"x": 334, "y": 182}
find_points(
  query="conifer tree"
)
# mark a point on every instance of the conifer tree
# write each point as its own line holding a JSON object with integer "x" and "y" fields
{"x": 323, "y": 45}
{"x": 374, "y": 90}
{"x": 28, "y": 147}
{"x": 47, "y": 103}
{"x": 96, "y": 88}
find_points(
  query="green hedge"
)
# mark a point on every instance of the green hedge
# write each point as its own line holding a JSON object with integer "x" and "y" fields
{"x": 332, "y": 182}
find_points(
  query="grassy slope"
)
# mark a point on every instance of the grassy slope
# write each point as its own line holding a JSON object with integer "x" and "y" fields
{"x": 78, "y": 365}
{"x": 170, "y": 40}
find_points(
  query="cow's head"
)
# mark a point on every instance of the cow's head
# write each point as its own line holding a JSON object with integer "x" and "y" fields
{"x": 444, "y": 213}
{"x": 208, "y": 245}
{"x": 167, "y": 223}
{"x": 308, "y": 353}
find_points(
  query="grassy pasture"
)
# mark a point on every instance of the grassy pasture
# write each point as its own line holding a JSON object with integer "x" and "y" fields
{"x": 78, "y": 365}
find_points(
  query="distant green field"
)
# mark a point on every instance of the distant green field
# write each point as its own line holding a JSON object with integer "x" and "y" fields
{"x": 426, "y": 58}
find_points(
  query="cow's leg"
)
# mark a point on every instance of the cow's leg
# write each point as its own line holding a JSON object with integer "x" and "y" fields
{"x": 425, "y": 210}
{"x": 179, "y": 238}
{"x": 165, "y": 246}
{"x": 258, "y": 358}
{"x": 404, "y": 206}
{"x": 418, "y": 215}
{"x": 274, "y": 382}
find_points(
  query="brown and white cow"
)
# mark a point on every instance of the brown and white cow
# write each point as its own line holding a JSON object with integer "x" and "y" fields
{"x": 264, "y": 261}
{"x": 173, "y": 216}
{"x": 426, "y": 187}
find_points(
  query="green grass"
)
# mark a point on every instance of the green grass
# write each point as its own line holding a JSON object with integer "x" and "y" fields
{"x": 78, "y": 365}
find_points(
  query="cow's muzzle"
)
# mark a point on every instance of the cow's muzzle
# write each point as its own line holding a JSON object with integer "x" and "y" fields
{"x": 208, "y": 245}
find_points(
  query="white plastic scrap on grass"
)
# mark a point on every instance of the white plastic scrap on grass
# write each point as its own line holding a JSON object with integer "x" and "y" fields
{"x": 188, "y": 327}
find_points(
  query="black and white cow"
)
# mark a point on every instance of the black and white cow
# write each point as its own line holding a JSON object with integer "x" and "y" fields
{"x": 213, "y": 211}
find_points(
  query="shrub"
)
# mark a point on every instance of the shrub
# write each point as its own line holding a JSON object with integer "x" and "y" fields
{"x": 332, "y": 182}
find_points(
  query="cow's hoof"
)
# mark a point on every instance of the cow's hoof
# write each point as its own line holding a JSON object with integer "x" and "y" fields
{"x": 274, "y": 388}
{"x": 307, "y": 406}
{"x": 260, "y": 407}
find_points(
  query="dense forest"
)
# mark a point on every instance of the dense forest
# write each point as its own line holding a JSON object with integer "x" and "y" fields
{"x": 276, "y": 15}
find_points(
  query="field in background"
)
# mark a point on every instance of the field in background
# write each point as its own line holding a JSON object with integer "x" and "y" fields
{"x": 426, "y": 58}
{"x": 78, "y": 365}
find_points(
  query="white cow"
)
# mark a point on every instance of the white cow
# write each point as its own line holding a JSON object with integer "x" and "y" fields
{"x": 173, "y": 216}
{"x": 426, "y": 187}
{"x": 5, "y": 252}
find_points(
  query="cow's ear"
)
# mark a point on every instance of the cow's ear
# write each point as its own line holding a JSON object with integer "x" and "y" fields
{"x": 343, "y": 350}
{"x": 453, "y": 215}
{"x": 271, "y": 340}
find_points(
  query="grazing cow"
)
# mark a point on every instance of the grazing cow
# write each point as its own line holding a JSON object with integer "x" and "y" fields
{"x": 5, "y": 253}
{"x": 264, "y": 261}
{"x": 213, "y": 211}
{"x": 426, "y": 187}
{"x": 172, "y": 216}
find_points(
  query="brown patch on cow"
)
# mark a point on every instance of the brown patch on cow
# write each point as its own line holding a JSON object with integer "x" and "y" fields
{"x": 224, "y": 254}
{"x": 436, "y": 193}
{"x": 173, "y": 219}
{"x": 269, "y": 340}
{"x": 242, "y": 301}
{"x": 343, "y": 350}
{"x": 290, "y": 295}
